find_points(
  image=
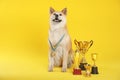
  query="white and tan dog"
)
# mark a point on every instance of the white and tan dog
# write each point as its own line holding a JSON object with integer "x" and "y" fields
{"x": 60, "y": 46}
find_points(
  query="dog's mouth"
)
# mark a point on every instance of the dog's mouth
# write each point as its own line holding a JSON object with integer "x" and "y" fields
{"x": 57, "y": 20}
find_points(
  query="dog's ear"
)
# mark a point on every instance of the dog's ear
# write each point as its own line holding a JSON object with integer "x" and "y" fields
{"x": 64, "y": 11}
{"x": 51, "y": 10}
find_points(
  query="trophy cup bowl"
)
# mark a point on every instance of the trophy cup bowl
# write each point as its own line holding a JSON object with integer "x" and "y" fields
{"x": 83, "y": 47}
{"x": 94, "y": 67}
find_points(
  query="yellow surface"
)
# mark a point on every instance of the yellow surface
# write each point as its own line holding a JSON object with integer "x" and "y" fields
{"x": 24, "y": 33}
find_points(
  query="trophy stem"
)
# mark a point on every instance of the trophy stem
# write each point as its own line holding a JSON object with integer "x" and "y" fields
{"x": 94, "y": 63}
{"x": 83, "y": 62}
{"x": 83, "y": 59}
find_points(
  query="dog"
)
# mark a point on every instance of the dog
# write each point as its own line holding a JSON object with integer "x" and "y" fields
{"x": 60, "y": 45}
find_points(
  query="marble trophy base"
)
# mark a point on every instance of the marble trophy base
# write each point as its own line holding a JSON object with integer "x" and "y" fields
{"x": 76, "y": 71}
{"x": 81, "y": 66}
{"x": 94, "y": 70}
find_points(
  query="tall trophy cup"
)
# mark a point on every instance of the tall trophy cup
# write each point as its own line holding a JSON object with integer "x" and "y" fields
{"x": 76, "y": 70}
{"x": 83, "y": 47}
{"x": 94, "y": 67}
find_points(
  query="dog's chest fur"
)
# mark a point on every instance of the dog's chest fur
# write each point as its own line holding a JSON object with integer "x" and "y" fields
{"x": 56, "y": 35}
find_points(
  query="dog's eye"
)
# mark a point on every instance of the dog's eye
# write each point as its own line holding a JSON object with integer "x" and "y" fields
{"x": 54, "y": 14}
{"x": 60, "y": 14}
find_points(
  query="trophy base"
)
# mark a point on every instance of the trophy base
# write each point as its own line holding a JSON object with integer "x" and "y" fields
{"x": 81, "y": 66}
{"x": 94, "y": 70}
{"x": 76, "y": 71}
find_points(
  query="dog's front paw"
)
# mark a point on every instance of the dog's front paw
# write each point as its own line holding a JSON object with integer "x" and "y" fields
{"x": 64, "y": 69}
{"x": 50, "y": 69}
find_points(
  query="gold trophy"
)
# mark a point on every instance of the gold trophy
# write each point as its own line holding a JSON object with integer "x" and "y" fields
{"x": 83, "y": 47}
{"x": 76, "y": 70}
{"x": 94, "y": 67}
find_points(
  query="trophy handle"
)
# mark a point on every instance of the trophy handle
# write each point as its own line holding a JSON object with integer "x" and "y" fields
{"x": 91, "y": 43}
{"x": 76, "y": 42}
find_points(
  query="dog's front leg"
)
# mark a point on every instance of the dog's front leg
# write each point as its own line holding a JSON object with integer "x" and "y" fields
{"x": 64, "y": 64}
{"x": 51, "y": 62}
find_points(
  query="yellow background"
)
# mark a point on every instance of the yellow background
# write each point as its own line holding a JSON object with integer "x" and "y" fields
{"x": 24, "y": 33}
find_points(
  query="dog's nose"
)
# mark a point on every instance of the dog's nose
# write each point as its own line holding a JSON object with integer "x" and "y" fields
{"x": 56, "y": 15}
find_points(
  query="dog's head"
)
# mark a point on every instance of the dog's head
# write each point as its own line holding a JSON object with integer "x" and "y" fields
{"x": 58, "y": 17}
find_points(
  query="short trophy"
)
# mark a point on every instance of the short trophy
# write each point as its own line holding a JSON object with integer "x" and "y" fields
{"x": 88, "y": 70}
{"x": 83, "y": 47}
{"x": 94, "y": 67}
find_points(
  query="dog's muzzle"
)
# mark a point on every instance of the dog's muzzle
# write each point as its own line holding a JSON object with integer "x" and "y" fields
{"x": 57, "y": 20}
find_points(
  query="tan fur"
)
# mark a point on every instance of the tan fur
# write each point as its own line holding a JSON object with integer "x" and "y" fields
{"x": 62, "y": 56}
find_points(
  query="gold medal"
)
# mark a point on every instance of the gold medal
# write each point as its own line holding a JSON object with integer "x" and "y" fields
{"x": 52, "y": 54}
